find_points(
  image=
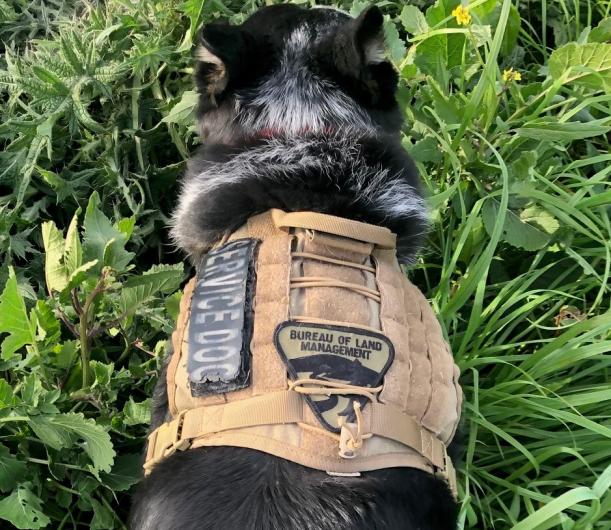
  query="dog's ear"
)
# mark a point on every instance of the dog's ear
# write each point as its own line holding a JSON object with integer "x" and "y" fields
{"x": 359, "y": 53}
{"x": 219, "y": 58}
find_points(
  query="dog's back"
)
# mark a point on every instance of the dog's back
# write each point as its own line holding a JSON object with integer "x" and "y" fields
{"x": 298, "y": 112}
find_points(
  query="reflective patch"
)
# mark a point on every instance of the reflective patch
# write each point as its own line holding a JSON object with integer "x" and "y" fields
{"x": 334, "y": 353}
{"x": 221, "y": 319}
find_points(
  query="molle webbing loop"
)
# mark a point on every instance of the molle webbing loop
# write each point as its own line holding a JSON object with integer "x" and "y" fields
{"x": 347, "y": 368}
{"x": 338, "y": 226}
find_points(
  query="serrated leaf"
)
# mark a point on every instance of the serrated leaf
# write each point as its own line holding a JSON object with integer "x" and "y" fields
{"x": 516, "y": 232}
{"x": 394, "y": 42}
{"x": 62, "y": 430}
{"x": 14, "y": 319}
{"x": 101, "y": 240}
{"x": 79, "y": 275}
{"x": 12, "y": 469}
{"x": 413, "y": 20}
{"x": 540, "y": 218}
{"x": 426, "y": 150}
{"x": 56, "y": 275}
{"x": 159, "y": 279}
{"x": 182, "y": 112}
{"x": 137, "y": 413}
{"x": 23, "y": 509}
{"x": 585, "y": 64}
{"x": 602, "y": 32}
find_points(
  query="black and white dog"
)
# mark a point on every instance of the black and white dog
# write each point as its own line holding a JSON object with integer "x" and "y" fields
{"x": 298, "y": 111}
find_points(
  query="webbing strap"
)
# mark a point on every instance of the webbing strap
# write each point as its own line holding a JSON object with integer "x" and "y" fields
{"x": 378, "y": 235}
{"x": 287, "y": 407}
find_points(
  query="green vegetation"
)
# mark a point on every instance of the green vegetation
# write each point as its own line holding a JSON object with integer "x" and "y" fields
{"x": 508, "y": 116}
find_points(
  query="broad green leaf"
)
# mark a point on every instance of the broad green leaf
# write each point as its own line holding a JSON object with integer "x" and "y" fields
{"x": 394, "y": 43}
{"x": 602, "y": 32}
{"x": 413, "y": 20}
{"x": 184, "y": 110}
{"x": 126, "y": 472}
{"x": 522, "y": 168}
{"x": 23, "y": 509}
{"x": 62, "y": 430}
{"x": 80, "y": 274}
{"x": 137, "y": 413}
{"x": 103, "y": 518}
{"x": 426, "y": 150}
{"x": 14, "y": 319}
{"x": 516, "y": 231}
{"x": 159, "y": 279}
{"x": 102, "y": 241}
{"x": 585, "y": 64}
{"x": 540, "y": 218}
{"x": 432, "y": 53}
{"x": 8, "y": 399}
{"x": 56, "y": 274}
{"x": 12, "y": 469}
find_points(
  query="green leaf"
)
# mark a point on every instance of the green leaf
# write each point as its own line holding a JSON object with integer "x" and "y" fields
{"x": 14, "y": 319}
{"x": 540, "y": 218}
{"x": 102, "y": 241}
{"x": 56, "y": 274}
{"x": 126, "y": 472}
{"x": 426, "y": 150}
{"x": 394, "y": 43}
{"x": 585, "y": 64}
{"x": 159, "y": 279}
{"x": 73, "y": 252}
{"x": 137, "y": 413}
{"x": 8, "y": 399}
{"x": 432, "y": 53}
{"x": 551, "y": 130}
{"x": 62, "y": 430}
{"x": 23, "y": 509}
{"x": 602, "y": 32}
{"x": 12, "y": 470}
{"x": 184, "y": 110}
{"x": 80, "y": 274}
{"x": 516, "y": 232}
{"x": 103, "y": 518}
{"x": 413, "y": 20}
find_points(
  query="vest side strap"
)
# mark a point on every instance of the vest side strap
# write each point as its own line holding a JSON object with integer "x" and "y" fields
{"x": 378, "y": 235}
{"x": 288, "y": 407}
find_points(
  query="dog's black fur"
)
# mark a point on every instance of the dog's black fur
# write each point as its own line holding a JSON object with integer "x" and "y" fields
{"x": 298, "y": 111}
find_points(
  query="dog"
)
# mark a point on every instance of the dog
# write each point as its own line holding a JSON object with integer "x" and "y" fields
{"x": 297, "y": 110}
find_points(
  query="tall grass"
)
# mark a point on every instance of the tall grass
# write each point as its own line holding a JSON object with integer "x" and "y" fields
{"x": 98, "y": 96}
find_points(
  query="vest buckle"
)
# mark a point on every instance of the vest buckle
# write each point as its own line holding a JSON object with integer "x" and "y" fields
{"x": 165, "y": 441}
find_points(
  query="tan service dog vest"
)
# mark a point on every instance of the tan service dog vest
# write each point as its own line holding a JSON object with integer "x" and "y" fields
{"x": 301, "y": 337}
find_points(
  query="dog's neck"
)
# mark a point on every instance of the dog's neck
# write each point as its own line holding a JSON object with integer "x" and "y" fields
{"x": 366, "y": 178}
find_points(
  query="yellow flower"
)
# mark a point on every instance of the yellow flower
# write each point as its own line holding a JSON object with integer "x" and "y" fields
{"x": 511, "y": 75}
{"x": 462, "y": 15}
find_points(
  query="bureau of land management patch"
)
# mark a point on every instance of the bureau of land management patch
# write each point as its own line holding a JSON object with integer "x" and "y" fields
{"x": 221, "y": 319}
{"x": 343, "y": 354}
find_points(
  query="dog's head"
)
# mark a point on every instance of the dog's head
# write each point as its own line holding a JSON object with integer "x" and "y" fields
{"x": 291, "y": 70}
{"x": 297, "y": 110}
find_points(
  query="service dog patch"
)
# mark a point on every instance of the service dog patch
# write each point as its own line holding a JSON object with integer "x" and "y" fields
{"x": 334, "y": 353}
{"x": 221, "y": 320}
